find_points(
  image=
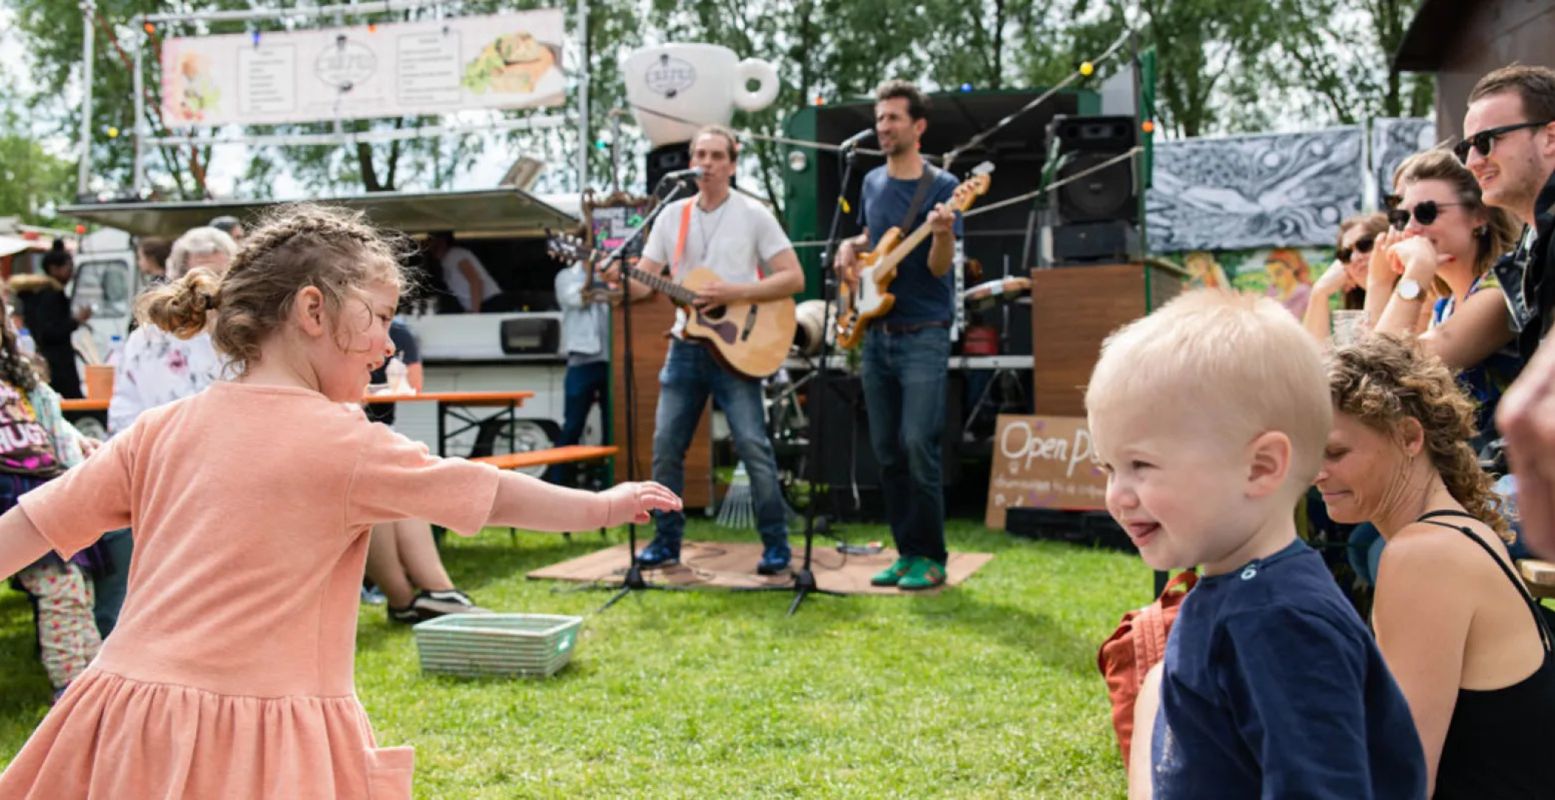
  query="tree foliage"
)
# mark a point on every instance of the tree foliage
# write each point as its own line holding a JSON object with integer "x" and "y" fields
{"x": 1225, "y": 66}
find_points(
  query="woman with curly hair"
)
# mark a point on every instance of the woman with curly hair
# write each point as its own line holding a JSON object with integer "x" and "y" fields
{"x": 1468, "y": 645}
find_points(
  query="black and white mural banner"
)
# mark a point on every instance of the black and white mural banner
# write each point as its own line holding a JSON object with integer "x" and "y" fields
{"x": 1263, "y": 190}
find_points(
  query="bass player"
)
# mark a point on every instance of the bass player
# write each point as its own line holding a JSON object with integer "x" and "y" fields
{"x": 907, "y": 351}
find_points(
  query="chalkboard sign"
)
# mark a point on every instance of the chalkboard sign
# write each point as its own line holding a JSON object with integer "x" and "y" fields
{"x": 1044, "y": 462}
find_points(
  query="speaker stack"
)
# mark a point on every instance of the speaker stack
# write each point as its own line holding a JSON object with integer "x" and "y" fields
{"x": 1096, "y": 219}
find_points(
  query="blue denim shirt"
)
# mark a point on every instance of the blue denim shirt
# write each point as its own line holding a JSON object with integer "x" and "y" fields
{"x": 1522, "y": 275}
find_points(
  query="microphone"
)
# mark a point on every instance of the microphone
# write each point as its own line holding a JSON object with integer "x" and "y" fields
{"x": 682, "y": 174}
{"x": 853, "y": 141}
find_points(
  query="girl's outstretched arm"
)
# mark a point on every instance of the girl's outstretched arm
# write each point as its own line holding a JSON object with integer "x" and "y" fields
{"x": 525, "y": 502}
{"x": 20, "y": 542}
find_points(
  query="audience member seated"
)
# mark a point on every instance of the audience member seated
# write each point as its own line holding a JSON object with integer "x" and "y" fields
{"x": 1346, "y": 277}
{"x": 151, "y": 256}
{"x": 466, "y": 277}
{"x": 1467, "y": 644}
{"x": 402, "y": 558}
{"x": 1442, "y": 261}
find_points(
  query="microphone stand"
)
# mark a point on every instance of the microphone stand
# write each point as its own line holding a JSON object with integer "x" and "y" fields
{"x": 804, "y": 579}
{"x": 633, "y": 580}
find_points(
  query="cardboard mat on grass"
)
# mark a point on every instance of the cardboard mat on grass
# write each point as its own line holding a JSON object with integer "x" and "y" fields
{"x": 732, "y": 565}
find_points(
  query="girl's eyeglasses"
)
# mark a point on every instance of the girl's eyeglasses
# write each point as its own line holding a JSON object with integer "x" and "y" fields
{"x": 1425, "y": 212}
{"x": 1483, "y": 140}
{"x": 1361, "y": 246}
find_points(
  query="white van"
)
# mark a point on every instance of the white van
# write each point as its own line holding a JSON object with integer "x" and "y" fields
{"x": 504, "y": 227}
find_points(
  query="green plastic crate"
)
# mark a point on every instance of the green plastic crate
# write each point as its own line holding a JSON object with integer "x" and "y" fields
{"x": 508, "y": 645}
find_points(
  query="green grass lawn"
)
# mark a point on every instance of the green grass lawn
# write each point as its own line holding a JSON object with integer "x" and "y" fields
{"x": 987, "y": 690}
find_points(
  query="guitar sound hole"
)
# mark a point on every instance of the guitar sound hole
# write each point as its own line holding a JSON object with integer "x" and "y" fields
{"x": 715, "y": 312}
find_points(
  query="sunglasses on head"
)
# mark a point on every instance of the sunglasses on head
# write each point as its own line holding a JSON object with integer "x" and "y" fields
{"x": 1425, "y": 212}
{"x": 1483, "y": 140}
{"x": 1361, "y": 246}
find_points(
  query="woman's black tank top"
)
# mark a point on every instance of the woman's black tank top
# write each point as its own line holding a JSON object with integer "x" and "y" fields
{"x": 1497, "y": 742}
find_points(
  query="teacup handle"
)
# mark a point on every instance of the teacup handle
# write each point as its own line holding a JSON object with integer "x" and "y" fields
{"x": 754, "y": 69}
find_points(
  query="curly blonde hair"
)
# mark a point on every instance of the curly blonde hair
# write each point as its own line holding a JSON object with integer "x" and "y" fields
{"x": 1383, "y": 380}
{"x": 298, "y": 245}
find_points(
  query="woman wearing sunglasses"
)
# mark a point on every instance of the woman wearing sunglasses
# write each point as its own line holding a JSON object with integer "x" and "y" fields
{"x": 1436, "y": 260}
{"x": 1346, "y": 277}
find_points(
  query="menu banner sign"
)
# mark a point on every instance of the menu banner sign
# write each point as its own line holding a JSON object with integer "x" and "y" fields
{"x": 389, "y": 70}
{"x": 1044, "y": 462}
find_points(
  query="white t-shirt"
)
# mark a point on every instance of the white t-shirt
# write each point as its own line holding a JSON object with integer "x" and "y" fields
{"x": 458, "y": 285}
{"x": 736, "y": 240}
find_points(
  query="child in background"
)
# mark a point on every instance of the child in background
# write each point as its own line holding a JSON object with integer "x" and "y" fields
{"x": 230, "y": 671}
{"x": 36, "y": 444}
{"x": 1271, "y": 685}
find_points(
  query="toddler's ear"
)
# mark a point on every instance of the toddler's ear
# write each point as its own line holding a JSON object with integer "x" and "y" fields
{"x": 1268, "y": 463}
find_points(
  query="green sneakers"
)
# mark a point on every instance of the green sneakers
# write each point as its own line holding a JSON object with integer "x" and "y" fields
{"x": 892, "y": 574}
{"x": 924, "y": 573}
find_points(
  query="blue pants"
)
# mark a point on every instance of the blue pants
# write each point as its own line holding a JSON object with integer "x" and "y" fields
{"x": 584, "y": 385}
{"x": 904, "y": 391}
{"x": 690, "y": 374}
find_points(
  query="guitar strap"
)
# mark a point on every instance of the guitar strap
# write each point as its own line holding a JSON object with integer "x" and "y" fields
{"x": 918, "y": 196}
{"x": 680, "y": 240}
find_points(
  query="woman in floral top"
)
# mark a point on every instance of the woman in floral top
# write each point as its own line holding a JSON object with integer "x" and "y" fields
{"x": 156, "y": 367}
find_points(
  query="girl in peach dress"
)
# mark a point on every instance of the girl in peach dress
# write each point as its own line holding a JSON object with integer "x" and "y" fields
{"x": 230, "y": 672}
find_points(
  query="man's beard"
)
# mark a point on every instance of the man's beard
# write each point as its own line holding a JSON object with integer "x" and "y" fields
{"x": 898, "y": 147}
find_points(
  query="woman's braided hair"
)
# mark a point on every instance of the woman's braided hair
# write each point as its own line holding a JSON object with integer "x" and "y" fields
{"x": 1382, "y": 380}
{"x": 298, "y": 245}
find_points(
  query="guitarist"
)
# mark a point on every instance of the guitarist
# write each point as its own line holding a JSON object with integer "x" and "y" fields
{"x": 907, "y": 351}
{"x": 739, "y": 239}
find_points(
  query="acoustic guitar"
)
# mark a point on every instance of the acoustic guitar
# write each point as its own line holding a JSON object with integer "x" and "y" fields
{"x": 749, "y": 338}
{"x": 871, "y": 299}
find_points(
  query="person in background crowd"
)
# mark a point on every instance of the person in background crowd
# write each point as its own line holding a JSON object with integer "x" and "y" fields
{"x": 402, "y": 557}
{"x": 466, "y": 277}
{"x": 46, "y": 311}
{"x": 1510, "y": 147}
{"x": 37, "y": 444}
{"x": 1446, "y": 240}
{"x": 151, "y": 258}
{"x": 1346, "y": 277}
{"x": 230, "y": 226}
{"x": 1450, "y": 614}
{"x": 586, "y": 341}
{"x": 154, "y": 369}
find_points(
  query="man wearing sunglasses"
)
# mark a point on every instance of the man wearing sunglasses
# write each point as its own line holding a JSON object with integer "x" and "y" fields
{"x": 1510, "y": 147}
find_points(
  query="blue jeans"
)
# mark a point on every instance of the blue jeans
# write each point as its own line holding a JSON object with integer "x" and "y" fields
{"x": 584, "y": 386}
{"x": 689, "y": 375}
{"x": 904, "y": 391}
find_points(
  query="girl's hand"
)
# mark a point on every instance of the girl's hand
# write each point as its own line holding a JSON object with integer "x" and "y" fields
{"x": 89, "y": 445}
{"x": 1332, "y": 281}
{"x": 631, "y": 502}
{"x": 1417, "y": 258}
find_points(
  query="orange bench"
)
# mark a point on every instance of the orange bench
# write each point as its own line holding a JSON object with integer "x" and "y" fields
{"x": 572, "y": 453}
{"x": 567, "y": 454}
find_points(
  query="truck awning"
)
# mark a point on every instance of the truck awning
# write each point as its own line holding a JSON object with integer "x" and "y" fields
{"x": 489, "y": 212}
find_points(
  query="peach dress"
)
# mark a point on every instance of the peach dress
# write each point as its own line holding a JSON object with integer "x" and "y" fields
{"x": 230, "y": 673}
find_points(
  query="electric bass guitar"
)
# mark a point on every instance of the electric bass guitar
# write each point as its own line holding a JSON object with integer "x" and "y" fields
{"x": 870, "y": 300}
{"x": 748, "y": 338}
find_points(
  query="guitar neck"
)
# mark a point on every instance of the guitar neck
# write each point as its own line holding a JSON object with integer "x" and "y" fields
{"x": 671, "y": 289}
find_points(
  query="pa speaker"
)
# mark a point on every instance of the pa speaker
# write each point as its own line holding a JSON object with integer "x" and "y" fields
{"x": 1106, "y": 194}
{"x": 664, "y": 160}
